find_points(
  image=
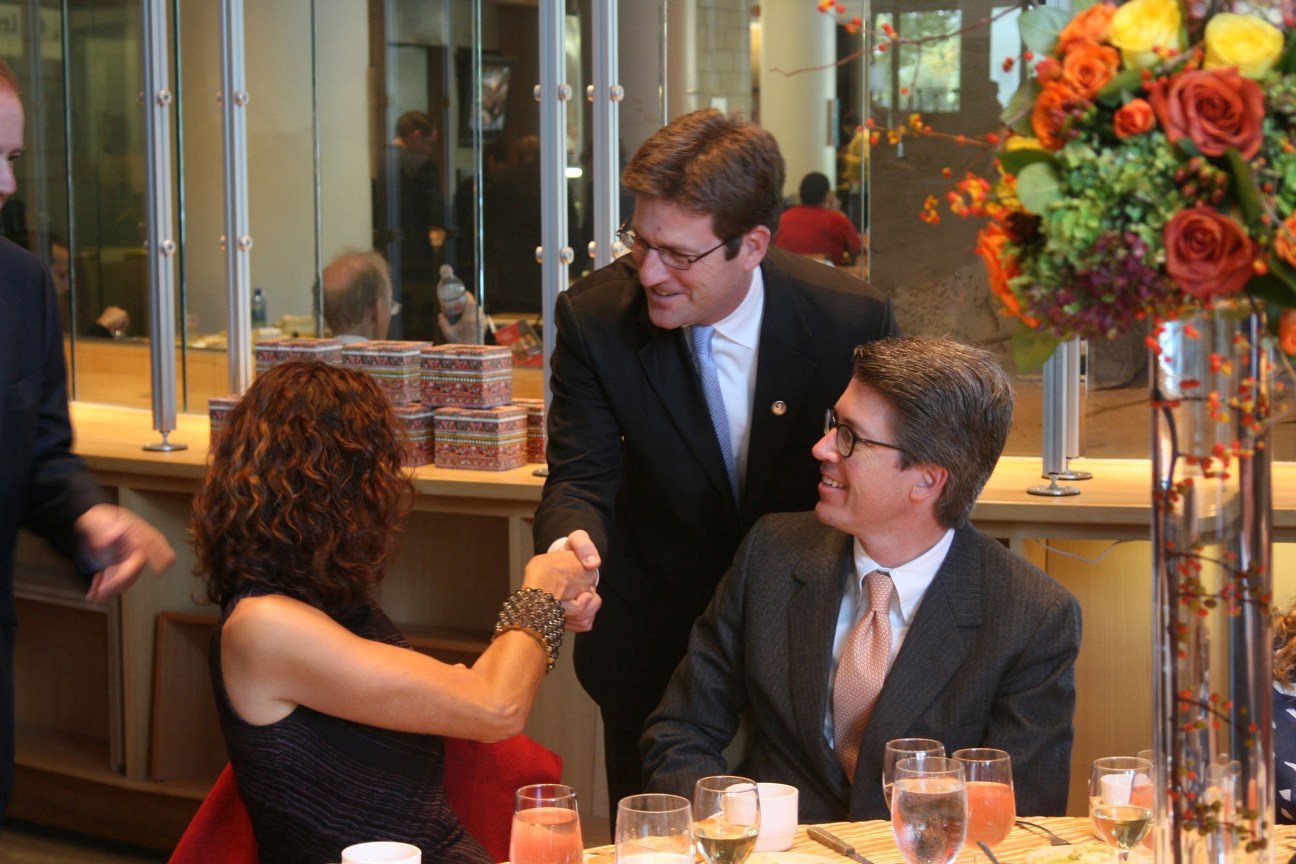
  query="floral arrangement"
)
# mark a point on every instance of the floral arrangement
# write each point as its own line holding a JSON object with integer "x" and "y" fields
{"x": 1149, "y": 164}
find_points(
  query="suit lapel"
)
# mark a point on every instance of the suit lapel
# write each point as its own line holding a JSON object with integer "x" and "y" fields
{"x": 669, "y": 369}
{"x": 811, "y": 614}
{"x": 783, "y": 371}
{"x": 933, "y": 650}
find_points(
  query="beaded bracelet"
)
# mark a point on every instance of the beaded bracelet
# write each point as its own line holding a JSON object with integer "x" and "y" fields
{"x": 535, "y": 612}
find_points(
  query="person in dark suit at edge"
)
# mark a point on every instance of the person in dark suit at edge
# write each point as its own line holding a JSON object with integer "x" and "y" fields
{"x": 641, "y": 484}
{"x": 43, "y": 486}
{"x": 979, "y": 647}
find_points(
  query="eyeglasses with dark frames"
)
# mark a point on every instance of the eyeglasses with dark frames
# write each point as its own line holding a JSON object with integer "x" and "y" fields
{"x": 847, "y": 437}
{"x": 640, "y": 248}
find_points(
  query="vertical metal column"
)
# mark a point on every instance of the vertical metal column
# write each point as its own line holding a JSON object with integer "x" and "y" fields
{"x": 236, "y": 242}
{"x": 1075, "y": 408}
{"x": 1057, "y": 371}
{"x": 553, "y": 94}
{"x": 161, "y": 222}
{"x": 606, "y": 95}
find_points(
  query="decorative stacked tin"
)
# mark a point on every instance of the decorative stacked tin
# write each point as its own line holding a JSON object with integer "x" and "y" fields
{"x": 468, "y": 376}
{"x": 218, "y": 409}
{"x": 417, "y": 424}
{"x": 394, "y": 364}
{"x": 535, "y": 448}
{"x": 492, "y": 439}
{"x": 272, "y": 352}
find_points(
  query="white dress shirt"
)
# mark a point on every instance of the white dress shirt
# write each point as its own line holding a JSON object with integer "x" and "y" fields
{"x": 911, "y": 580}
{"x": 735, "y": 346}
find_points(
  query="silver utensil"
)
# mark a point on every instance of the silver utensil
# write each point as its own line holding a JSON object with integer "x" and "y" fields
{"x": 1054, "y": 840}
{"x": 835, "y": 843}
{"x": 986, "y": 849}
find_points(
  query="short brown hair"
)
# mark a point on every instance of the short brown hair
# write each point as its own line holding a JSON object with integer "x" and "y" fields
{"x": 413, "y": 121}
{"x": 953, "y": 405}
{"x": 9, "y": 79}
{"x": 710, "y": 163}
{"x": 302, "y": 489}
{"x": 363, "y": 278}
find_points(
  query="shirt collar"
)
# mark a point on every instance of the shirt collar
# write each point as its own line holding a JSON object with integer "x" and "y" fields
{"x": 912, "y": 578}
{"x": 742, "y": 325}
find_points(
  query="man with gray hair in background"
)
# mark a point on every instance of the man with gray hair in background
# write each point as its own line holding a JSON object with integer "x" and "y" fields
{"x": 358, "y": 303}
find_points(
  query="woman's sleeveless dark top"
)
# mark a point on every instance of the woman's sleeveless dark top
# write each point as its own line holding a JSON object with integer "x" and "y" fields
{"x": 314, "y": 784}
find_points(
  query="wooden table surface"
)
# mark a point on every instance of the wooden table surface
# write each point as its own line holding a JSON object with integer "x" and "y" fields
{"x": 875, "y": 842}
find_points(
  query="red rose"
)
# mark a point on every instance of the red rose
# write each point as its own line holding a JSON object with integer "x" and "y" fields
{"x": 1208, "y": 253}
{"x": 1135, "y": 117}
{"x": 1087, "y": 68}
{"x": 1215, "y": 108}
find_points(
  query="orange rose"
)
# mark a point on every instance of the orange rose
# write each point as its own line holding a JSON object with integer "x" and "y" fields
{"x": 1208, "y": 253}
{"x": 1050, "y": 116}
{"x": 1135, "y": 117}
{"x": 1000, "y": 267}
{"x": 1287, "y": 331}
{"x": 1048, "y": 70}
{"x": 1091, "y": 25}
{"x": 1285, "y": 240}
{"x": 1214, "y": 108}
{"x": 1087, "y": 68}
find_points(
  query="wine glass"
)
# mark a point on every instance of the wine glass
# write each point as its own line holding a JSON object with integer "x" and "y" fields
{"x": 929, "y": 809}
{"x": 904, "y": 748}
{"x": 546, "y": 826}
{"x": 992, "y": 809}
{"x": 654, "y": 829}
{"x": 1122, "y": 826}
{"x": 726, "y": 818}
{"x": 1112, "y": 783}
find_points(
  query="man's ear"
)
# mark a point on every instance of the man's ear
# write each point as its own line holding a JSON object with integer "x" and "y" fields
{"x": 931, "y": 481}
{"x": 755, "y": 243}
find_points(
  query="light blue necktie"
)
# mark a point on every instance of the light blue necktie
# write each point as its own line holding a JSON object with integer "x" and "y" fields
{"x": 710, "y": 379}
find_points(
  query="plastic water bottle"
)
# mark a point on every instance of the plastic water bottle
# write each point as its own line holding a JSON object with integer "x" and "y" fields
{"x": 451, "y": 294}
{"x": 258, "y": 308}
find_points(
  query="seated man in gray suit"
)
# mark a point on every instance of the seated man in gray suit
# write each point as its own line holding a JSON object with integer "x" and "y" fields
{"x": 883, "y": 614}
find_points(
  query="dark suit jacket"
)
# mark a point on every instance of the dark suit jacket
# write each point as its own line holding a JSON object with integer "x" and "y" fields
{"x": 987, "y": 662}
{"x": 633, "y": 458}
{"x": 43, "y": 487}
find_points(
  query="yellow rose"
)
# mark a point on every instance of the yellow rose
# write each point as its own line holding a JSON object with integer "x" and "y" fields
{"x": 1140, "y": 26}
{"x": 1249, "y": 43}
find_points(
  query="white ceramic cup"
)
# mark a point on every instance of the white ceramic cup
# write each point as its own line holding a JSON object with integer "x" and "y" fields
{"x": 382, "y": 852}
{"x": 778, "y": 825}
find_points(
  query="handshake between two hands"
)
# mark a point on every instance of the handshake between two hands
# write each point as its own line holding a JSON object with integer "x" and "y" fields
{"x": 569, "y": 571}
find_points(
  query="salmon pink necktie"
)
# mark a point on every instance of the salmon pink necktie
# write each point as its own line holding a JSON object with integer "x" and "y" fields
{"x": 861, "y": 670}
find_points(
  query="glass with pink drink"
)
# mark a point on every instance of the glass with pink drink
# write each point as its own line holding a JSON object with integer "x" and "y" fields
{"x": 992, "y": 808}
{"x": 546, "y": 826}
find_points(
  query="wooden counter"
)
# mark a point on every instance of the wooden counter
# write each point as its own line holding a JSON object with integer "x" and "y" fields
{"x": 138, "y": 728}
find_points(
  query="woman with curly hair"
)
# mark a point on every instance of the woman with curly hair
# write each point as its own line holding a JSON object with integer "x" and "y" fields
{"x": 1284, "y": 713}
{"x": 332, "y": 722}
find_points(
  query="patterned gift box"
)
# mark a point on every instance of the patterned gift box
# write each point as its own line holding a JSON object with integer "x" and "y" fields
{"x": 394, "y": 364}
{"x": 417, "y": 423}
{"x": 272, "y": 352}
{"x": 218, "y": 409}
{"x": 490, "y": 439}
{"x": 535, "y": 428}
{"x": 468, "y": 376}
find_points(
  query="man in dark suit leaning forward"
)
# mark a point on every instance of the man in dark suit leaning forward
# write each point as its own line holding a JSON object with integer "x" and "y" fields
{"x": 641, "y": 482}
{"x": 884, "y": 614}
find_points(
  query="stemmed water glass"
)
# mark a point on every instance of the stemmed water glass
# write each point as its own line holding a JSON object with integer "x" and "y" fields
{"x": 654, "y": 829}
{"x": 929, "y": 809}
{"x": 546, "y": 826}
{"x": 726, "y": 818}
{"x": 905, "y": 748}
{"x": 992, "y": 808}
{"x": 1118, "y": 803}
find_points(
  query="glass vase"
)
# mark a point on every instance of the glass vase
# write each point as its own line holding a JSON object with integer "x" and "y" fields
{"x": 1211, "y": 374}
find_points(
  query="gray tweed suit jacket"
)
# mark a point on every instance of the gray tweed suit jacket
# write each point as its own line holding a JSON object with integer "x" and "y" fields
{"x": 988, "y": 661}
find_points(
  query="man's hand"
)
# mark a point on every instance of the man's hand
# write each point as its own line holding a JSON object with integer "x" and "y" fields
{"x": 115, "y": 320}
{"x": 470, "y": 329}
{"x": 575, "y": 560}
{"x": 122, "y": 543}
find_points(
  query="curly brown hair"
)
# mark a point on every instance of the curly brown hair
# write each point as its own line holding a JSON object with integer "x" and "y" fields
{"x": 1284, "y": 642}
{"x": 303, "y": 490}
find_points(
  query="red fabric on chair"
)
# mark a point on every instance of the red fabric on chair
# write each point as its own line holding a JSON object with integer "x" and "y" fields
{"x": 482, "y": 779}
{"x": 221, "y": 830}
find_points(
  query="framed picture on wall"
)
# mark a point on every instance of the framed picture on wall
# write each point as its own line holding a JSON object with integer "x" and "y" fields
{"x": 492, "y": 114}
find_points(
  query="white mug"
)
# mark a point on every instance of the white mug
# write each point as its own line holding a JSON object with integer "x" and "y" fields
{"x": 382, "y": 852}
{"x": 778, "y": 803}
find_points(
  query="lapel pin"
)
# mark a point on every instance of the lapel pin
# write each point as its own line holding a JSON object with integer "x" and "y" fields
{"x": 779, "y": 408}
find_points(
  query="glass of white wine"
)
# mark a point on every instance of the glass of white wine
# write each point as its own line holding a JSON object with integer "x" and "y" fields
{"x": 726, "y": 818}
{"x": 654, "y": 828}
{"x": 1123, "y": 826}
{"x": 929, "y": 809}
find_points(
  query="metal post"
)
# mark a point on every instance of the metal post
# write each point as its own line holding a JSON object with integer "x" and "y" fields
{"x": 158, "y": 98}
{"x": 1075, "y": 404}
{"x": 606, "y": 95}
{"x": 553, "y": 93}
{"x": 236, "y": 242}
{"x": 1056, "y": 372}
